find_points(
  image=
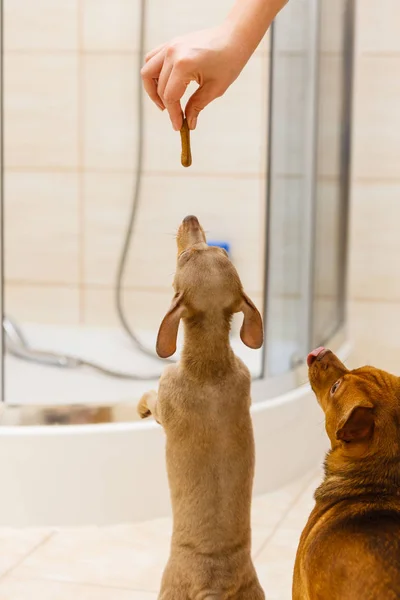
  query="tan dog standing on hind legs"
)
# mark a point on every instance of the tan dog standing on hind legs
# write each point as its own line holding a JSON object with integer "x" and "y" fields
{"x": 203, "y": 404}
{"x": 350, "y": 547}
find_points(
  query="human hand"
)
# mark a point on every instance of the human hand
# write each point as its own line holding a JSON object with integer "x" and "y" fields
{"x": 213, "y": 58}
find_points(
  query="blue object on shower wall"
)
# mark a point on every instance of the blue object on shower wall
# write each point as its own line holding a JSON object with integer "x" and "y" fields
{"x": 225, "y": 245}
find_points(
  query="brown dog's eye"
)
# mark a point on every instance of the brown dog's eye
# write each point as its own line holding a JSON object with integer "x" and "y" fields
{"x": 335, "y": 386}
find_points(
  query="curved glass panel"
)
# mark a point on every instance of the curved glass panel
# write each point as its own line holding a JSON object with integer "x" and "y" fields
{"x": 94, "y": 193}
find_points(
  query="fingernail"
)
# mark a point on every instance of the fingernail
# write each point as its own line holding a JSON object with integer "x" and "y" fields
{"x": 192, "y": 123}
{"x": 161, "y": 107}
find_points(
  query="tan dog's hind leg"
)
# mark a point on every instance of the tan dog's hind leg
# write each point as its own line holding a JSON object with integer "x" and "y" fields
{"x": 148, "y": 406}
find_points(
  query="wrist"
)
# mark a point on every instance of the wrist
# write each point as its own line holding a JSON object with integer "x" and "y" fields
{"x": 249, "y": 20}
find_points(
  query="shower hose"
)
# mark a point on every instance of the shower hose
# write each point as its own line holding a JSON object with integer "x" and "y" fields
{"x": 15, "y": 341}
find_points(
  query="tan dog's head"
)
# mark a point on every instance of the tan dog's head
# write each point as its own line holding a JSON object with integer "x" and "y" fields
{"x": 362, "y": 407}
{"x": 206, "y": 285}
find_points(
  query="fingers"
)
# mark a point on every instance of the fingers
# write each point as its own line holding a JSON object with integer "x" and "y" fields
{"x": 175, "y": 114}
{"x": 165, "y": 81}
{"x": 153, "y": 52}
{"x": 165, "y": 91}
{"x": 150, "y": 74}
{"x": 163, "y": 77}
{"x": 172, "y": 94}
{"x": 172, "y": 85}
{"x": 199, "y": 100}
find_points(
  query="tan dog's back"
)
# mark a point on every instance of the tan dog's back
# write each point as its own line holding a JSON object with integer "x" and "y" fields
{"x": 203, "y": 404}
{"x": 210, "y": 456}
{"x": 210, "y": 462}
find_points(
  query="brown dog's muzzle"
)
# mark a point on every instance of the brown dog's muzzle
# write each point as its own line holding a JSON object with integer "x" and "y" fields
{"x": 324, "y": 368}
{"x": 316, "y": 354}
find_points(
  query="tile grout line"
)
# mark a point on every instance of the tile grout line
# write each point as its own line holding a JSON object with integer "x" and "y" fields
{"x": 263, "y": 162}
{"x": 378, "y": 53}
{"x": 40, "y": 544}
{"x": 20, "y": 285}
{"x": 259, "y": 53}
{"x": 73, "y": 170}
{"x": 377, "y": 300}
{"x": 285, "y": 514}
{"x": 80, "y": 153}
{"x": 100, "y": 52}
{"x": 359, "y": 180}
{"x": 106, "y": 287}
{"x": 244, "y": 175}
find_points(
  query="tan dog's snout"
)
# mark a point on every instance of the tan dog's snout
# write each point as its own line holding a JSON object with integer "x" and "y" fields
{"x": 190, "y": 233}
{"x": 191, "y": 221}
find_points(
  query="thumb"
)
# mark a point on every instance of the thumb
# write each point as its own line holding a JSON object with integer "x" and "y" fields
{"x": 199, "y": 100}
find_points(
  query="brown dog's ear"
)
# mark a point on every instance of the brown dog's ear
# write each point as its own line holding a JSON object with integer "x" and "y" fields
{"x": 358, "y": 425}
{"x": 251, "y": 331}
{"x": 168, "y": 332}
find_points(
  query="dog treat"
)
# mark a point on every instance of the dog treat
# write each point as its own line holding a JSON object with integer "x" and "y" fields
{"x": 186, "y": 155}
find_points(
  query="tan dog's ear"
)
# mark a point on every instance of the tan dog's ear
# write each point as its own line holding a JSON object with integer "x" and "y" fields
{"x": 251, "y": 331}
{"x": 168, "y": 332}
{"x": 358, "y": 424}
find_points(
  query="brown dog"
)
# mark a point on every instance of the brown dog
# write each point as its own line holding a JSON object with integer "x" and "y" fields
{"x": 203, "y": 404}
{"x": 350, "y": 547}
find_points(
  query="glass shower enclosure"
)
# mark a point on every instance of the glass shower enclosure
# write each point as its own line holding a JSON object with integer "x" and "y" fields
{"x": 92, "y": 192}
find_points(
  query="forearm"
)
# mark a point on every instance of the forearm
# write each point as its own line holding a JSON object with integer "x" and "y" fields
{"x": 249, "y": 20}
{"x": 213, "y": 58}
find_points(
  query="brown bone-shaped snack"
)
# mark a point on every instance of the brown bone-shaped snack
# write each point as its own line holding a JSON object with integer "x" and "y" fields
{"x": 186, "y": 155}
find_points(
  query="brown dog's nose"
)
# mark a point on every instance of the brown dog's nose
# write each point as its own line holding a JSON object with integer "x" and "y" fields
{"x": 191, "y": 220}
{"x": 314, "y": 355}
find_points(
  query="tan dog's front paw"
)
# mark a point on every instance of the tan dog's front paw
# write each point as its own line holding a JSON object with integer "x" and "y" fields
{"x": 143, "y": 409}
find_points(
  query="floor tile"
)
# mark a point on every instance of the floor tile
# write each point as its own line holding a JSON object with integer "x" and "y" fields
{"x": 275, "y": 560}
{"x": 259, "y": 537}
{"x": 269, "y": 510}
{"x": 132, "y": 556}
{"x": 275, "y": 576}
{"x": 15, "y": 544}
{"x": 15, "y": 589}
{"x": 275, "y": 563}
{"x": 105, "y": 562}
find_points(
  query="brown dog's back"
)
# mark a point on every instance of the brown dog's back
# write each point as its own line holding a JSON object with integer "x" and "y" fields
{"x": 353, "y": 554}
{"x": 350, "y": 547}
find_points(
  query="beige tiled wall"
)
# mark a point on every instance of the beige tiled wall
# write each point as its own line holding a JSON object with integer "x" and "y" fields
{"x": 71, "y": 127}
{"x": 374, "y": 277}
{"x": 71, "y": 124}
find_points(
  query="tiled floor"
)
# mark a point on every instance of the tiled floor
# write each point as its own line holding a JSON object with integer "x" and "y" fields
{"x": 126, "y": 562}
